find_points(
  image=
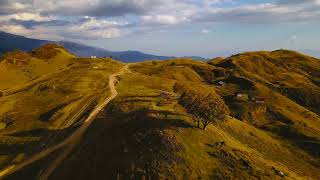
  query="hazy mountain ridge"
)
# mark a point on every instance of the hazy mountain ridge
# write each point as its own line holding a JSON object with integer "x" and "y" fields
{"x": 10, "y": 42}
{"x": 125, "y": 56}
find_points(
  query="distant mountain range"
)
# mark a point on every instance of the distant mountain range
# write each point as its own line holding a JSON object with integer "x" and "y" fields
{"x": 10, "y": 42}
{"x": 125, "y": 56}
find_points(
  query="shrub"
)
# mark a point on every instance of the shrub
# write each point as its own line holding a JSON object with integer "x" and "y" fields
{"x": 47, "y": 51}
{"x": 7, "y": 119}
{"x": 16, "y": 57}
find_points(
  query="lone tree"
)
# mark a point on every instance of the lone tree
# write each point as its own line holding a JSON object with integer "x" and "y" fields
{"x": 204, "y": 104}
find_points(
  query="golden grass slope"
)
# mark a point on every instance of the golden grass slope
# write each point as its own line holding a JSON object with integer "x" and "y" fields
{"x": 293, "y": 74}
{"x": 145, "y": 133}
{"x": 148, "y": 135}
{"x": 19, "y": 67}
{"x": 46, "y": 107}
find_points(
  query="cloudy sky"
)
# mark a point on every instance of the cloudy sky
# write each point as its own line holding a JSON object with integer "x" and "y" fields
{"x": 169, "y": 27}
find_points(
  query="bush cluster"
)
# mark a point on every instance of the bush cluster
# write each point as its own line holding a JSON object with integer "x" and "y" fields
{"x": 48, "y": 51}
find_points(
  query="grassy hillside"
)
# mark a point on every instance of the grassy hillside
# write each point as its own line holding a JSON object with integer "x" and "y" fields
{"x": 147, "y": 133}
{"x": 293, "y": 74}
{"x": 40, "y": 110}
{"x": 18, "y": 67}
{"x": 150, "y": 131}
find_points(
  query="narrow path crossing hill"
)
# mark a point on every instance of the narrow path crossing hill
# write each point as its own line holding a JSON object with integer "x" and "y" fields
{"x": 71, "y": 142}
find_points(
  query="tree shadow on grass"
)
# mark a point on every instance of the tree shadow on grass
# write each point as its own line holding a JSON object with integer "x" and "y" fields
{"x": 158, "y": 119}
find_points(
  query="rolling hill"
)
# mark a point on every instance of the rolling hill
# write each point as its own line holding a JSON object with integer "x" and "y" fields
{"x": 264, "y": 107}
{"x": 19, "y": 67}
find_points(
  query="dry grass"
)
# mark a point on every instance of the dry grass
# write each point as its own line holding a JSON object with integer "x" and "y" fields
{"x": 40, "y": 112}
{"x": 47, "y": 51}
{"x": 143, "y": 134}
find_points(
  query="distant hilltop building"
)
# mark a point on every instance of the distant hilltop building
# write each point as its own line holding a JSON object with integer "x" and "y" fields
{"x": 93, "y": 57}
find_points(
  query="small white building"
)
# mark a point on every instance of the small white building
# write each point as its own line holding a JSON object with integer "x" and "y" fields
{"x": 240, "y": 95}
{"x": 93, "y": 57}
{"x": 221, "y": 83}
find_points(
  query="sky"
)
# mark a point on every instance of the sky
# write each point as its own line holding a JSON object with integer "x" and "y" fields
{"x": 206, "y": 28}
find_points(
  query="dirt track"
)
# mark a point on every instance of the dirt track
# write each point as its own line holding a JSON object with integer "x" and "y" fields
{"x": 71, "y": 142}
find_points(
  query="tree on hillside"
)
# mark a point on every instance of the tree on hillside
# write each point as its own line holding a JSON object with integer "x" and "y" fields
{"x": 7, "y": 119}
{"x": 205, "y": 106}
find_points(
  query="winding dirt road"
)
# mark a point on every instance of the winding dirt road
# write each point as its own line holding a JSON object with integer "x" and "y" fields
{"x": 71, "y": 142}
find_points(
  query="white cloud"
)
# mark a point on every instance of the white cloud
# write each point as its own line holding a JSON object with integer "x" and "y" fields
{"x": 109, "y": 18}
{"x": 214, "y": 2}
{"x": 161, "y": 19}
{"x": 205, "y": 31}
{"x": 94, "y": 23}
{"x": 293, "y": 39}
{"x": 39, "y": 33}
{"x": 105, "y": 33}
{"x": 27, "y": 16}
{"x": 90, "y": 28}
{"x": 95, "y": 28}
